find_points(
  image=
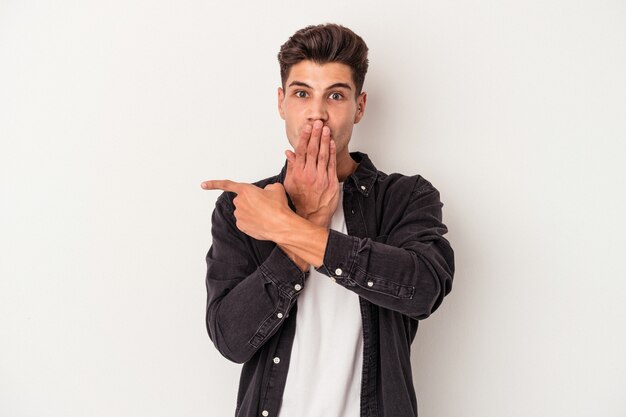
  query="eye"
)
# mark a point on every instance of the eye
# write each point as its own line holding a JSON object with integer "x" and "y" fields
{"x": 301, "y": 94}
{"x": 336, "y": 96}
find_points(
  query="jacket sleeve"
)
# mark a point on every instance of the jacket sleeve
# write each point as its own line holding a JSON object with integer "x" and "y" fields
{"x": 246, "y": 301}
{"x": 409, "y": 270}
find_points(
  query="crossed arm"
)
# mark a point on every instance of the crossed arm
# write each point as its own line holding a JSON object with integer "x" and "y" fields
{"x": 312, "y": 184}
{"x": 409, "y": 271}
{"x": 264, "y": 214}
{"x": 246, "y": 301}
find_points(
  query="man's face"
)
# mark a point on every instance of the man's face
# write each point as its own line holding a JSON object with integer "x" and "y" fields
{"x": 321, "y": 92}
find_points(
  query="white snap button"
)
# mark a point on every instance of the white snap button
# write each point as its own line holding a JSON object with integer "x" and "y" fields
{"x": 362, "y": 187}
{"x": 298, "y": 287}
{"x": 370, "y": 284}
{"x": 265, "y": 413}
{"x": 338, "y": 271}
{"x": 276, "y": 360}
{"x": 279, "y": 315}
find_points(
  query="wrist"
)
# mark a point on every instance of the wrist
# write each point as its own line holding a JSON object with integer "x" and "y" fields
{"x": 301, "y": 263}
{"x": 304, "y": 238}
{"x": 319, "y": 219}
{"x": 319, "y": 216}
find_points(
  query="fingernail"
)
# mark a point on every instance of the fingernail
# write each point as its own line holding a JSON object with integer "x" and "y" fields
{"x": 317, "y": 124}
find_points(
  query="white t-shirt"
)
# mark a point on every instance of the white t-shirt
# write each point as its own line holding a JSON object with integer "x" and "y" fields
{"x": 324, "y": 377}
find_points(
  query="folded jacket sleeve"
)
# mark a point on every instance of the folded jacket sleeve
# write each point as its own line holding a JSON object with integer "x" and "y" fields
{"x": 409, "y": 269}
{"x": 247, "y": 299}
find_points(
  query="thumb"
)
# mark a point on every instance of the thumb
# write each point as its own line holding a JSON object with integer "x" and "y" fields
{"x": 291, "y": 157}
{"x": 274, "y": 187}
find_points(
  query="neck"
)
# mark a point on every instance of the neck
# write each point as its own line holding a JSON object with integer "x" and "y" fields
{"x": 345, "y": 166}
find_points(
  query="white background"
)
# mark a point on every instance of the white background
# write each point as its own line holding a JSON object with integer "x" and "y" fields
{"x": 112, "y": 113}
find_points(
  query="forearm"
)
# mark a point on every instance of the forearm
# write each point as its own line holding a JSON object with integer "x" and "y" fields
{"x": 302, "y": 264}
{"x": 412, "y": 279}
{"x": 303, "y": 239}
{"x": 241, "y": 318}
{"x": 247, "y": 298}
{"x": 408, "y": 268}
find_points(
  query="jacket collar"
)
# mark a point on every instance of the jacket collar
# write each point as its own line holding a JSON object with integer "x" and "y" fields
{"x": 363, "y": 177}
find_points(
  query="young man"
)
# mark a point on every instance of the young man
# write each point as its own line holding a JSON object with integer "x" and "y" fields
{"x": 333, "y": 340}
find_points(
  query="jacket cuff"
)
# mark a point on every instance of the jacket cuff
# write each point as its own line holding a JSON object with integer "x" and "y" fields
{"x": 340, "y": 255}
{"x": 283, "y": 272}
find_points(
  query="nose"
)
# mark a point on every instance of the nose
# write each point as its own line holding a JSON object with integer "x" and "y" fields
{"x": 317, "y": 110}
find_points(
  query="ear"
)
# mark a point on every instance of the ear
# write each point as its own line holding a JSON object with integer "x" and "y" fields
{"x": 361, "y": 101}
{"x": 281, "y": 98}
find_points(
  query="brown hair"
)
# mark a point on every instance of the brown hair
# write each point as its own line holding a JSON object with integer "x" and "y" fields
{"x": 322, "y": 44}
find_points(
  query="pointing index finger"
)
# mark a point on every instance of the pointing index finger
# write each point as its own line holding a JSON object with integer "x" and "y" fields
{"x": 226, "y": 185}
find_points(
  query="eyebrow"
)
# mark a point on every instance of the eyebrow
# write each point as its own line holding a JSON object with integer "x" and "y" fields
{"x": 336, "y": 85}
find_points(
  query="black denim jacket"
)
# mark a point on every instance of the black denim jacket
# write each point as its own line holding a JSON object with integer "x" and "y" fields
{"x": 394, "y": 257}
